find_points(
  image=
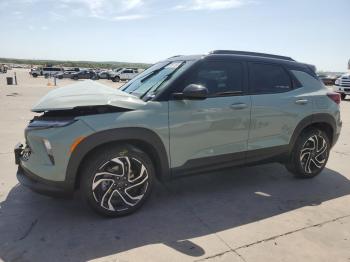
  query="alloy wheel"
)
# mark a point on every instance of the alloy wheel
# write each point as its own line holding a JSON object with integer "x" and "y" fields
{"x": 314, "y": 154}
{"x": 120, "y": 183}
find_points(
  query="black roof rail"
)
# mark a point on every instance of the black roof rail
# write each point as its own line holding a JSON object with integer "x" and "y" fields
{"x": 232, "y": 52}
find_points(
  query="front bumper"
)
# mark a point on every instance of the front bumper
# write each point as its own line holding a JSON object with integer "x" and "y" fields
{"x": 342, "y": 90}
{"x": 36, "y": 183}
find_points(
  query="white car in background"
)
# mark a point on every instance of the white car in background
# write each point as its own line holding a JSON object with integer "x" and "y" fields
{"x": 342, "y": 86}
{"x": 124, "y": 74}
{"x": 45, "y": 71}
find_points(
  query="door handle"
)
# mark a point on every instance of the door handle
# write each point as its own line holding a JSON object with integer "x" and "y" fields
{"x": 302, "y": 101}
{"x": 239, "y": 106}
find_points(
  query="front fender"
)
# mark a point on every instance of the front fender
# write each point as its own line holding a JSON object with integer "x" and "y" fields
{"x": 114, "y": 135}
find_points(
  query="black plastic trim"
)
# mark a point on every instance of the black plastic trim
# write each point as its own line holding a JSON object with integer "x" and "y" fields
{"x": 252, "y": 157}
{"x": 319, "y": 118}
{"x": 43, "y": 186}
{"x": 119, "y": 135}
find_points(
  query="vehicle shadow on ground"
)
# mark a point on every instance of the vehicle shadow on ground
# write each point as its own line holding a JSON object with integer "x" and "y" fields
{"x": 38, "y": 228}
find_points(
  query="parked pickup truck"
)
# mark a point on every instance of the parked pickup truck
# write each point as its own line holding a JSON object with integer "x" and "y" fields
{"x": 342, "y": 86}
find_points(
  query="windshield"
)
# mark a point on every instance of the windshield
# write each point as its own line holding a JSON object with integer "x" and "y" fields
{"x": 154, "y": 78}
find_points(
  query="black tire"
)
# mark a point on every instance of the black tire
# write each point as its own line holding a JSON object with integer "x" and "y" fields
{"x": 342, "y": 96}
{"x": 35, "y": 75}
{"x": 117, "y": 194}
{"x": 75, "y": 77}
{"x": 116, "y": 79}
{"x": 310, "y": 154}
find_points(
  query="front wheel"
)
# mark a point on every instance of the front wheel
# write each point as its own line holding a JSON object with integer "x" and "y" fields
{"x": 116, "y": 79}
{"x": 310, "y": 154}
{"x": 117, "y": 180}
{"x": 342, "y": 96}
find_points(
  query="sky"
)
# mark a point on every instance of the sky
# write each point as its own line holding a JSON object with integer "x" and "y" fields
{"x": 311, "y": 31}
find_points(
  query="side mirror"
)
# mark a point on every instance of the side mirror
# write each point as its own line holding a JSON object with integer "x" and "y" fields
{"x": 193, "y": 92}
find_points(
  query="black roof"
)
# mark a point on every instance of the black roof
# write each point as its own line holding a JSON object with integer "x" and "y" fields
{"x": 248, "y": 56}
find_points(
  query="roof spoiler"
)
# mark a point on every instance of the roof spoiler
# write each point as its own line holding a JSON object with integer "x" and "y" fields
{"x": 311, "y": 67}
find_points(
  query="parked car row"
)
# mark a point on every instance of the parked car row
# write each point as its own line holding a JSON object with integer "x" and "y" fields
{"x": 120, "y": 74}
{"x": 328, "y": 80}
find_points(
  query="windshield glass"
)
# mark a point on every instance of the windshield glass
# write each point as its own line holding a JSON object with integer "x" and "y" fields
{"x": 151, "y": 80}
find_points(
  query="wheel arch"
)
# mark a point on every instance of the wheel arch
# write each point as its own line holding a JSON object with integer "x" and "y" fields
{"x": 323, "y": 121}
{"x": 145, "y": 139}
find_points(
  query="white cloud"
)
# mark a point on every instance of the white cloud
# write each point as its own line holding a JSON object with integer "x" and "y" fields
{"x": 132, "y": 4}
{"x": 105, "y": 9}
{"x": 211, "y": 4}
{"x": 129, "y": 17}
{"x": 54, "y": 16}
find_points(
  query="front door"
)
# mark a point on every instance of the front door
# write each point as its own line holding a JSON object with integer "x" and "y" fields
{"x": 213, "y": 131}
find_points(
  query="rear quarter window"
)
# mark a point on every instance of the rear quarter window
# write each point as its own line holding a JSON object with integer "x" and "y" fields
{"x": 307, "y": 80}
{"x": 268, "y": 78}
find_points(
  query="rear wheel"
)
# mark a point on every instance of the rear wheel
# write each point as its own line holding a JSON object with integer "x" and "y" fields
{"x": 117, "y": 180}
{"x": 310, "y": 154}
{"x": 343, "y": 96}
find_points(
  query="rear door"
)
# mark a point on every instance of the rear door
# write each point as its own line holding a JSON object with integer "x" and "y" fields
{"x": 214, "y": 131}
{"x": 278, "y": 105}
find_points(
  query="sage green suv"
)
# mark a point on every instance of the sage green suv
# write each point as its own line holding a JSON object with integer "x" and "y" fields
{"x": 184, "y": 115}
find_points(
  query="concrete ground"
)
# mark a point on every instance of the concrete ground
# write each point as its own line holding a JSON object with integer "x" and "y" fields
{"x": 248, "y": 214}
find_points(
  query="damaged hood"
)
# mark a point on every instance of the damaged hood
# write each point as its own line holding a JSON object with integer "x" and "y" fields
{"x": 86, "y": 93}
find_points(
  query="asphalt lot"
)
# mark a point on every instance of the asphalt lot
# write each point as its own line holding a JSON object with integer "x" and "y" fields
{"x": 247, "y": 214}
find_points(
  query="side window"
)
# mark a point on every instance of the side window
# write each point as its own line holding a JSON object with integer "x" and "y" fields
{"x": 265, "y": 78}
{"x": 218, "y": 77}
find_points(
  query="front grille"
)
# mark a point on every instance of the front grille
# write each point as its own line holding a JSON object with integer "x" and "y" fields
{"x": 344, "y": 82}
{"x": 347, "y": 89}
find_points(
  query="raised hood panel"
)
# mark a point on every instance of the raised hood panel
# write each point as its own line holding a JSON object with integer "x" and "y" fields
{"x": 86, "y": 93}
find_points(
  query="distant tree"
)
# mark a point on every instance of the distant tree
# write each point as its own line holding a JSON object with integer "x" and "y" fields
{"x": 84, "y": 64}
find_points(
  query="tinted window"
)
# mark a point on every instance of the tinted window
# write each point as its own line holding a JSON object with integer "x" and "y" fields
{"x": 265, "y": 78}
{"x": 218, "y": 77}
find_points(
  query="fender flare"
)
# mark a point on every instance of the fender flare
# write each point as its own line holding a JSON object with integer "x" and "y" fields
{"x": 114, "y": 135}
{"x": 321, "y": 118}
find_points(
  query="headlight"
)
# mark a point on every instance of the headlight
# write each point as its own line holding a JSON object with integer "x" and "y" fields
{"x": 48, "y": 148}
{"x": 37, "y": 123}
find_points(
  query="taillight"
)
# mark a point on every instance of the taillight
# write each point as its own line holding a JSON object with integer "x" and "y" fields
{"x": 335, "y": 97}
